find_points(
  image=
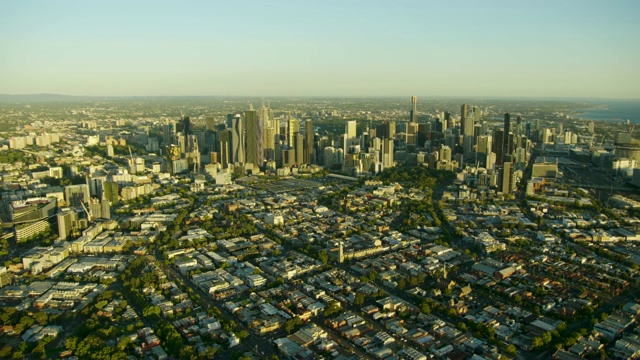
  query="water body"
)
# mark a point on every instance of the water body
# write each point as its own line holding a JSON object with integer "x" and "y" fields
{"x": 613, "y": 110}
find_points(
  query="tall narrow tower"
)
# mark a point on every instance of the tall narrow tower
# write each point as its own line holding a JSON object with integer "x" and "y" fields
{"x": 309, "y": 155}
{"x": 505, "y": 140}
{"x": 349, "y": 135}
{"x": 237, "y": 140}
{"x": 413, "y": 116}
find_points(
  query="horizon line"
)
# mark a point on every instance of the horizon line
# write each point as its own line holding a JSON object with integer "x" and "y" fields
{"x": 327, "y": 96}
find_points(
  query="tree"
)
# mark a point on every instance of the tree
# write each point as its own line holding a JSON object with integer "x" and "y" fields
{"x": 332, "y": 308}
{"x": 291, "y": 324}
{"x": 359, "y": 299}
{"x": 511, "y": 350}
{"x": 401, "y": 284}
{"x": 425, "y": 308}
{"x": 5, "y": 352}
{"x": 152, "y": 312}
{"x": 323, "y": 256}
{"x": 41, "y": 317}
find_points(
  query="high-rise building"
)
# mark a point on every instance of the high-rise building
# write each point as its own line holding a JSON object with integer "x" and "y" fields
{"x": 464, "y": 112}
{"x": 386, "y": 130}
{"x": 168, "y": 131}
{"x": 254, "y": 137}
{"x": 506, "y": 178}
{"x": 349, "y": 135}
{"x": 293, "y": 127}
{"x": 66, "y": 219}
{"x": 225, "y": 148}
{"x": 445, "y": 153}
{"x": 76, "y": 194}
{"x": 505, "y": 140}
{"x": 413, "y": 116}
{"x": 298, "y": 146}
{"x": 468, "y": 122}
{"x": 387, "y": 153}
{"x": 498, "y": 146}
{"x": 237, "y": 140}
{"x": 412, "y": 133}
{"x": 186, "y": 131}
{"x": 110, "y": 191}
{"x": 309, "y": 153}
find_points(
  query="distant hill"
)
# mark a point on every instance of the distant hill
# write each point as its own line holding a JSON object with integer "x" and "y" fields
{"x": 26, "y": 98}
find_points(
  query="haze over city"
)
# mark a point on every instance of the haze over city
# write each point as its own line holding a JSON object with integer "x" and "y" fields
{"x": 306, "y": 180}
{"x": 329, "y": 48}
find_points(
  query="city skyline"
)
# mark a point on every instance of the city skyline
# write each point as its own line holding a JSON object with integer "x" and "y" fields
{"x": 497, "y": 49}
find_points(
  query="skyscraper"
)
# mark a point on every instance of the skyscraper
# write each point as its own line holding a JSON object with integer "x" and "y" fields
{"x": 298, "y": 143}
{"x": 254, "y": 137}
{"x": 413, "y": 116}
{"x": 237, "y": 140}
{"x": 186, "y": 131}
{"x": 293, "y": 127}
{"x": 349, "y": 135}
{"x": 309, "y": 154}
{"x": 464, "y": 111}
{"x": 505, "y": 139}
{"x": 506, "y": 178}
{"x": 225, "y": 147}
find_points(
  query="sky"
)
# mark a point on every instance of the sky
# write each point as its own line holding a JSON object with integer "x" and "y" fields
{"x": 559, "y": 48}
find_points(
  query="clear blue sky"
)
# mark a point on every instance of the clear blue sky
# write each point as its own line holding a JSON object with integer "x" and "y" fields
{"x": 558, "y": 48}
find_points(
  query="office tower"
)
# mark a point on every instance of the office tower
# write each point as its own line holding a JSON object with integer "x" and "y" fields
{"x": 237, "y": 141}
{"x": 254, "y": 137}
{"x": 288, "y": 157}
{"x": 293, "y": 127}
{"x": 505, "y": 139}
{"x": 448, "y": 122}
{"x": 490, "y": 162}
{"x": 506, "y": 178}
{"x": 518, "y": 131}
{"x": 298, "y": 146}
{"x": 498, "y": 146}
{"x": 66, "y": 218}
{"x": 186, "y": 131}
{"x": 349, "y": 135}
{"x": 464, "y": 112}
{"x": 110, "y": 191}
{"x": 445, "y": 153}
{"x": 483, "y": 148}
{"x": 168, "y": 131}
{"x": 224, "y": 148}
{"x": 387, "y": 153}
{"x": 477, "y": 114}
{"x": 386, "y": 130}
{"x": 76, "y": 194}
{"x": 423, "y": 130}
{"x": 467, "y": 145}
{"x": 468, "y": 125}
{"x": 329, "y": 156}
{"x": 96, "y": 185}
{"x": 592, "y": 128}
{"x": 271, "y": 129}
{"x": 309, "y": 153}
{"x": 412, "y": 133}
{"x": 413, "y": 116}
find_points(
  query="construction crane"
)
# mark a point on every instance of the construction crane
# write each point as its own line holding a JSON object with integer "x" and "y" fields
{"x": 89, "y": 217}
